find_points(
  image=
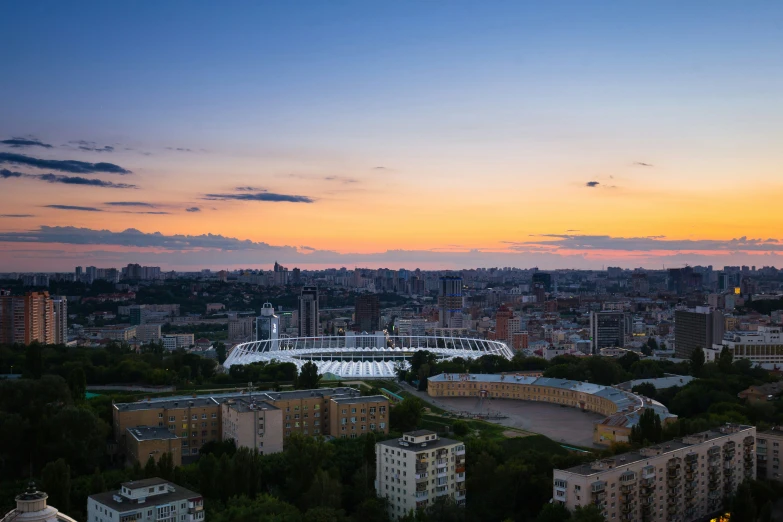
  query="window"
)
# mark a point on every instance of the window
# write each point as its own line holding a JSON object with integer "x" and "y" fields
{"x": 214, "y": 415}
{"x": 203, "y": 415}
{"x": 171, "y": 418}
{"x": 160, "y": 415}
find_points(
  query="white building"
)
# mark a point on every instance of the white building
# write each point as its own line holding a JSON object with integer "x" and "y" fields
{"x": 684, "y": 479}
{"x": 173, "y": 341}
{"x": 764, "y": 346}
{"x": 413, "y": 471}
{"x": 415, "y": 326}
{"x": 148, "y": 500}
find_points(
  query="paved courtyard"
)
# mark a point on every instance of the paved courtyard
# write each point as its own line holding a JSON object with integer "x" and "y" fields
{"x": 567, "y": 425}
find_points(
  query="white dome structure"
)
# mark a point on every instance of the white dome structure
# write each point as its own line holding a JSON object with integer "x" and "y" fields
{"x": 31, "y": 507}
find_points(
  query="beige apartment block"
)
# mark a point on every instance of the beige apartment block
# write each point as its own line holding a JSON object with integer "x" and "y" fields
{"x": 253, "y": 424}
{"x": 353, "y": 417}
{"x": 144, "y": 442}
{"x": 769, "y": 446}
{"x": 682, "y": 480}
{"x": 415, "y": 470}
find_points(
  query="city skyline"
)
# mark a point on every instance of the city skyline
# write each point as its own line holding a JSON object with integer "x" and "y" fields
{"x": 407, "y": 135}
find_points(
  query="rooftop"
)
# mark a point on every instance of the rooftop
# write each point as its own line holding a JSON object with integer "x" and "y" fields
{"x": 141, "y": 433}
{"x": 428, "y": 445}
{"x": 358, "y": 400}
{"x": 113, "y": 500}
{"x": 665, "y": 448}
{"x": 245, "y": 405}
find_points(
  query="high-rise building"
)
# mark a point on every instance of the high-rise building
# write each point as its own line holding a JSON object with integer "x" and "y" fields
{"x": 450, "y": 301}
{"x": 136, "y": 314}
{"x": 769, "y": 451}
{"x": 240, "y": 328}
{"x": 414, "y": 471}
{"x": 308, "y": 312}
{"x": 544, "y": 279}
{"x": 368, "y": 313}
{"x": 697, "y": 328}
{"x": 279, "y": 275}
{"x": 502, "y": 319}
{"x": 146, "y": 500}
{"x": 78, "y": 273}
{"x": 684, "y": 479}
{"x": 26, "y": 319}
{"x": 91, "y": 274}
{"x": 415, "y": 326}
{"x": 60, "y": 318}
{"x": 268, "y": 326}
{"x": 608, "y": 329}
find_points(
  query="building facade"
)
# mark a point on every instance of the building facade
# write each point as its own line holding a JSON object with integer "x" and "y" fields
{"x": 31, "y": 506}
{"x": 268, "y": 326}
{"x": 367, "y": 313}
{"x": 450, "y": 302}
{"x": 29, "y": 318}
{"x": 769, "y": 448}
{"x": 698, "y": 328}
{"x": 356, "y": 416}
{"x": 412, "y": 472}
{"x": 764, "y": 346}
{"x": 308, "y": 312}
{"x": 144, "y": 442}
{"x": 683, "y": 480}
{"x": 608, "y": 329}
{"x": 148, "y": 500}
{"x": 253, "y": 424}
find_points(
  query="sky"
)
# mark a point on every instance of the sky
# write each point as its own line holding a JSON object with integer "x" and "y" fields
{"x": 436, "y": 135}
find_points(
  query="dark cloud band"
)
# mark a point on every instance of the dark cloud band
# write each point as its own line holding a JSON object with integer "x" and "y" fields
{"x": 71, "y": 166}
{"x": 260, "y": 196}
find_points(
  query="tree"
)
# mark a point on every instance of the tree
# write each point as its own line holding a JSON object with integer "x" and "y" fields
{"x": 77, "y": 383}
{"x": 97, "y": 482}
{"x": 460, "y": 428}
{"x": 220, "y": 349}
{"x": 423, "y": 373}
{"x": 33, "y": 360}
{"x": 56, "y": 482}
{"x": 555, "y": 512}
{"x": 406, "y": 415}
{"x": 648, "y": 429}
{"x": 150, "y": 468}
{"x": 646, "y": 388}
{"x": 76, "y": 434}
{"x": 166, "y": 466}
{"x": 725, "y": 360}
{"x": 589, "y": 513}
{"x": 325, "y": 491}
{"x": 743, "y": 507}
{"x": 697, "y": 361}
{"x": 308, "y": 377}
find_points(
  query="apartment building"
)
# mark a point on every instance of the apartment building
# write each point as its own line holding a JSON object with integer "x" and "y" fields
{"x": 143, "y": 442}
{"x": 253, "y": 424}
{"x": 683, "y": 480}
{"x": 769, "y": 445}
{"x": 199, "y": 419}
{"x": 148, "y": 500}
{"x": 413, "y": 471}
{"x": 173, "y": 341}
{"x": 28, "y": 318}
{"x": 355, "y": 416}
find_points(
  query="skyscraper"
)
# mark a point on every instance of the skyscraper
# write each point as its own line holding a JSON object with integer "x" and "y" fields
{"x": 368, "y": 313}
{"x": 450, "y": 300}
{"x": 698, "y": 328}
{"x": 28, "y": 318}
{"x": 268, "y": 326}
{"x": 544, "y": 279}
{"x": 308, "y": 312}
{"x": 608, "y": 329}
{"x": 60, "y": 318}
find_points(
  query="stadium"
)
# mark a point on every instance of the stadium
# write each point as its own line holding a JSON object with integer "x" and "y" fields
{"x": 361, "y": 355}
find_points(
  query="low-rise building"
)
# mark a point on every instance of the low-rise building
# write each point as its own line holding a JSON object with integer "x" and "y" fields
{"x": 172, "y": 342}
{"x": 143, "y": 442}
{"x": 762, "y": 393}
{"x": 253, "y": 424}
{"x": 415, "y": 470}
{"x": 114, "y": 333}
{"x": 148, "y": 500}
{"x": 685, "y": 479}
{"x": 31, "y": 506}
{"x": 763, "y": 346}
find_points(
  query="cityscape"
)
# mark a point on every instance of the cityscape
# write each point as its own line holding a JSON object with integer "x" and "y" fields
{"x": 391, "y": 262}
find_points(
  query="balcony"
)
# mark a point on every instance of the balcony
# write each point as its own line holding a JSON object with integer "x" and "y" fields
{"x": 460, "y": 495}
{"x": 460, "y": 477}
{"x": 601, "y": 495}
{"x": 442, "y": 472}
{"x": 626, "y": 489}
{"x": 422, "y": 476}
{"x": 196, "y": 517}
{"x": 421, "y": 494}
{"x": 460, "y": 469}
{"x": 442, "y": 462}
{"x": 460, "y": 451}
{"x": 598, "y": 486}
{"x": 441, "y": 490}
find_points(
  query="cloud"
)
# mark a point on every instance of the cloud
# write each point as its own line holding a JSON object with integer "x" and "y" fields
{"x": 642, "y": 164}
{"x": 379, "y": 168}
{"x": 129, "y": 204}
{"x": 16, "y": 215}
{"x": 180, "y": 149}
{"x": 193, "y": 209}
{"x": 156, "y": 212}
{"x": 68, "y": 180}
{"x": 250, "y": 189}
{"x": 72, "y": 166}
{"x": 18, "y": 143}
{"x": 77, "y": 180}
{"x": 341, "y": 179}
{"x": 645, "y": 243}
{"x": 592, "y": 184}
{"x": 91, "y": 146}
{"x": 260, "y": 196}
{"x": 73, "y": 207}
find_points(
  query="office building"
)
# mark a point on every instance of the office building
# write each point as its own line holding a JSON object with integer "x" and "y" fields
{"x": 240, "y": 328}
{"x": 502, "y": 319}
{"x": 268, "y": 326}
{"x": 450, "y": 302}
{"x": 367, "y": 313}
{"x": 147, "y": 500}
{"x": 415, "y": 326}
{"x": 253, "y": 424}
{"x": 763, "y": 346}
{"x": 698, "y": 328}
{"x": 26, "y": 319}
{"x": 60, "y": 319}
{"x": 31, "y": 506}
{"x": 173, "y": 342}
{"x": 309, "y": 325}
{"x": 143, "y": 442}
{"x": 414, "y": 471}
{"x": 112, "y": 332}
{"x": 544, "y": 279}
{"x": 148, "y": 333}
{"x": 685, "y": 479}
{"x": 769, "y": 451}
{"x": 78, "y": 273}
{"x": 608, "y": 329}
{"x": 136, "y": 314}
